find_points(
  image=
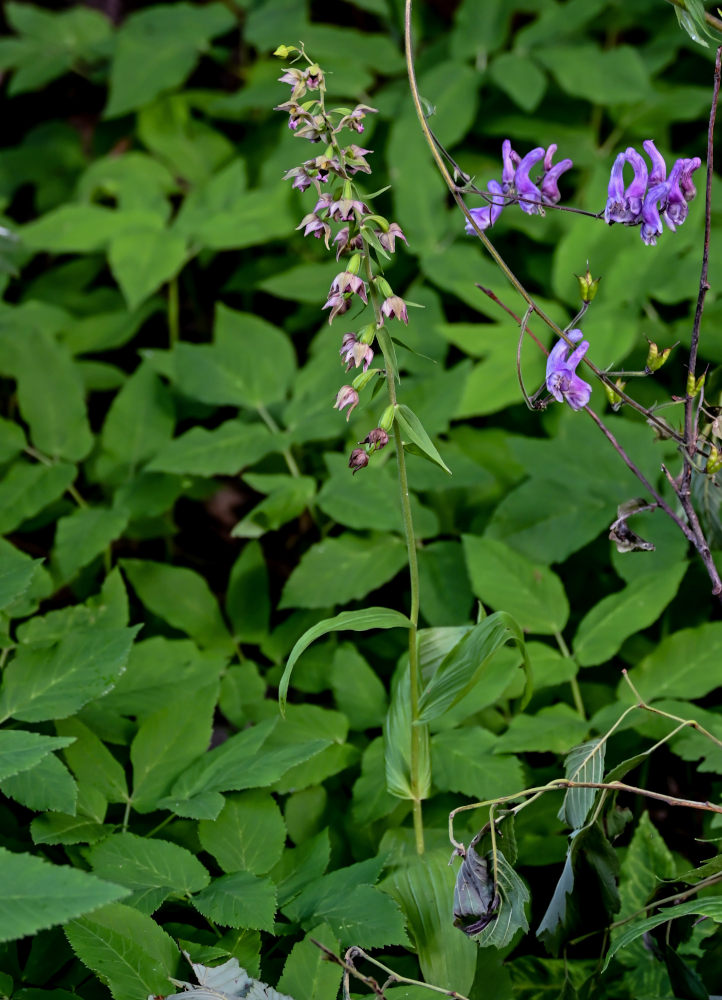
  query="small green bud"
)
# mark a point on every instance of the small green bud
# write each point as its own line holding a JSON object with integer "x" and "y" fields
{"x": 615, "y": 400}
{"x": 283, "y": 51}
{"x": 354, "y": 264}
{"x": 588, "y": 286}
{"x": 655, "y": 357}
{"x": 384, "y": 288}
{"x": 387, "y": 419}
{"x": 362, "y": 380}
{"x": 367, "y": 333}
{"x": 694, "y": 387}
{"x": 714, "y": 460}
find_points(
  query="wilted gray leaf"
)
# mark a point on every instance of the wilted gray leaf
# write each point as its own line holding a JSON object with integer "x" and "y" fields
{"x": 224, "y": 982}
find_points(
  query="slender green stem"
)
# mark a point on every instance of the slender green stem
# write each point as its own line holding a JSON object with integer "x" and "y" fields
{"x": 126, "y": 816}
{"x": 275, "y": 429}
{"x": 173, "y": 312}
{"x": 416, "y": 732}
{"x": 573, "y": 683}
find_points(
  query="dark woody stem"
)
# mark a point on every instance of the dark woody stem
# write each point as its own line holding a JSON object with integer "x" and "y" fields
{"x": 690, "y": 422}
{"x": 416, "y": 732}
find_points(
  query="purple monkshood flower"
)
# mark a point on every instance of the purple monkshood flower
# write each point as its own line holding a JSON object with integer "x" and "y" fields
{"x": 487, "y": 215}
{"x": 518, "y": 187}
{"x": 651, "y": 197}
{"x": 561, "y": 380}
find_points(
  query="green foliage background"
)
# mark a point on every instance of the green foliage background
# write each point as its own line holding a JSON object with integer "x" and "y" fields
{"x": 178, "y": 510}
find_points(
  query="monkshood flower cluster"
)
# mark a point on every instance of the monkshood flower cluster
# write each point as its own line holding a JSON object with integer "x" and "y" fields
{"x": 517, "y": 187}
{"x": 343, "y": 219}
{"x": 651, "y": 197}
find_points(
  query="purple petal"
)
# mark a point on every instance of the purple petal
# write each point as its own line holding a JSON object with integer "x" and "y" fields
{"x": 549, "y": 185}
{"x": 528, "y": 193}
{"x": 487, "y": 215}
{"x": 509, "y": 163}
{"x": 685, "y": 181}
{"x": 659, "y": 167}
{"x": 578, "y": 392}
{"x": 634, "y": 192}
{"x": 615, "y": 210}
{"x": 549, "y": 156}
{"x": 651, "y": 222}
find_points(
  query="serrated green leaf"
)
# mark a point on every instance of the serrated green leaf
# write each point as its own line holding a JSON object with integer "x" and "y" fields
{"x": 181, "y": 597}
{"x": 509, "y": 582}
{"x": 91, "y": 761}
{"x": 51, "y": 684}
{"x": 682, "y": 665}
{"x": 27, "y": 489}
{"x": 21, "y": 750}
{"x": 126, "y": 949}
{"x": 47, "y": 786}
{"x": 85, "y": 534}
{"x": 223, "y": 451}
{"x": 37, "y": 894}
{"x": 307, "y": 972}
{"x": 168, "y": 741}
{"x": 582, "y": 763}
{"x": 58, "y": 828}
{"x": 152, "y": 868}
{"x": 16, "y": 572}
{"x": 239, "y": 900}
{"x": 249, "y": 834}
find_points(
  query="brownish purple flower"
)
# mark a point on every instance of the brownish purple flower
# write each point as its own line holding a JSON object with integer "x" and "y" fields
{"x": 395, "y": 308}
{"x": 347, "y": 396}
{"x": 358, "y": 460}
{"x": 377, "y": 438}
{"x": 347, "y": 281}
{"x": 388, "y": 239}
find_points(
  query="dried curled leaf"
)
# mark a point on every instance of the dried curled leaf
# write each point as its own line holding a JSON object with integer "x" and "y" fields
{"x": 224, "y": 982}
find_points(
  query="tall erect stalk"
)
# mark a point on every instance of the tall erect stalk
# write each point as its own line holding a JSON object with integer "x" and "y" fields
{"x": 409, "y": 534}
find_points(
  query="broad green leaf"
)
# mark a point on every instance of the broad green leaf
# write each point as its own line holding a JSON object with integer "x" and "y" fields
{"x": 239, "y": 900}
{"x": 583, "y": 763}
{"x": 283, "y": 504}
{"x": 356, "y": 621}
{"x": 683, "y": 665}
{"x": 646, "y": 861}
{"x": 51, "y": 43}
{"x": 249, "y": 834}
{"x": 83, "y": 228}
{"x": 16, "y": 572}
{"x": 168, "y": 741}
{"x": 157, "y": 48}
{"x": 710, "y": 908}
{"x": 126, "y": 949}
{"x": 46, "y": 786}
{"x": 27, "y": 489}
{"x": 462, "y": 667}
{"x": 248, "y": 759}
{"x": 151, "y": 868}
{"x": 51, "y": 396}
{"x": 58, "y": 828}
{"x": 250, "y": 362}
{"x": 12, "y": 440}
{"x": 91, "y": 761}
{"x": 506, "y": 580}
{"x": 519, "y": 77}
{"x": 223, "y": 451}
{"x": 342, "y": 569}
{"x": 85, "y": 534}
{"x": 307, "y": 972}
{"x": 51, "y": 684}
{"x": 21, "y": 750}
{"x": 413, "y": 434}
{"x": 159, "y": 670}
{"x": 462, "y": 760}
{"x": 139, "y": 422}
{"x": 181, "y": 597}
{"x": 37, "y": 894}
{"x": 423, "y": 887}
{"x": 397, "y": 744}
{"x": 248, "y": 602}
{"x": 357, "y": 689}
{"x": 603, "y": 629}
{"x": 254, "y": 217}
{"x": 552, "y": 729}
{"x": 216, "y": 196}
{"x": 613, "y": 76}
{"x": 353, "y": 908}
{"x": 142, "y": 260}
